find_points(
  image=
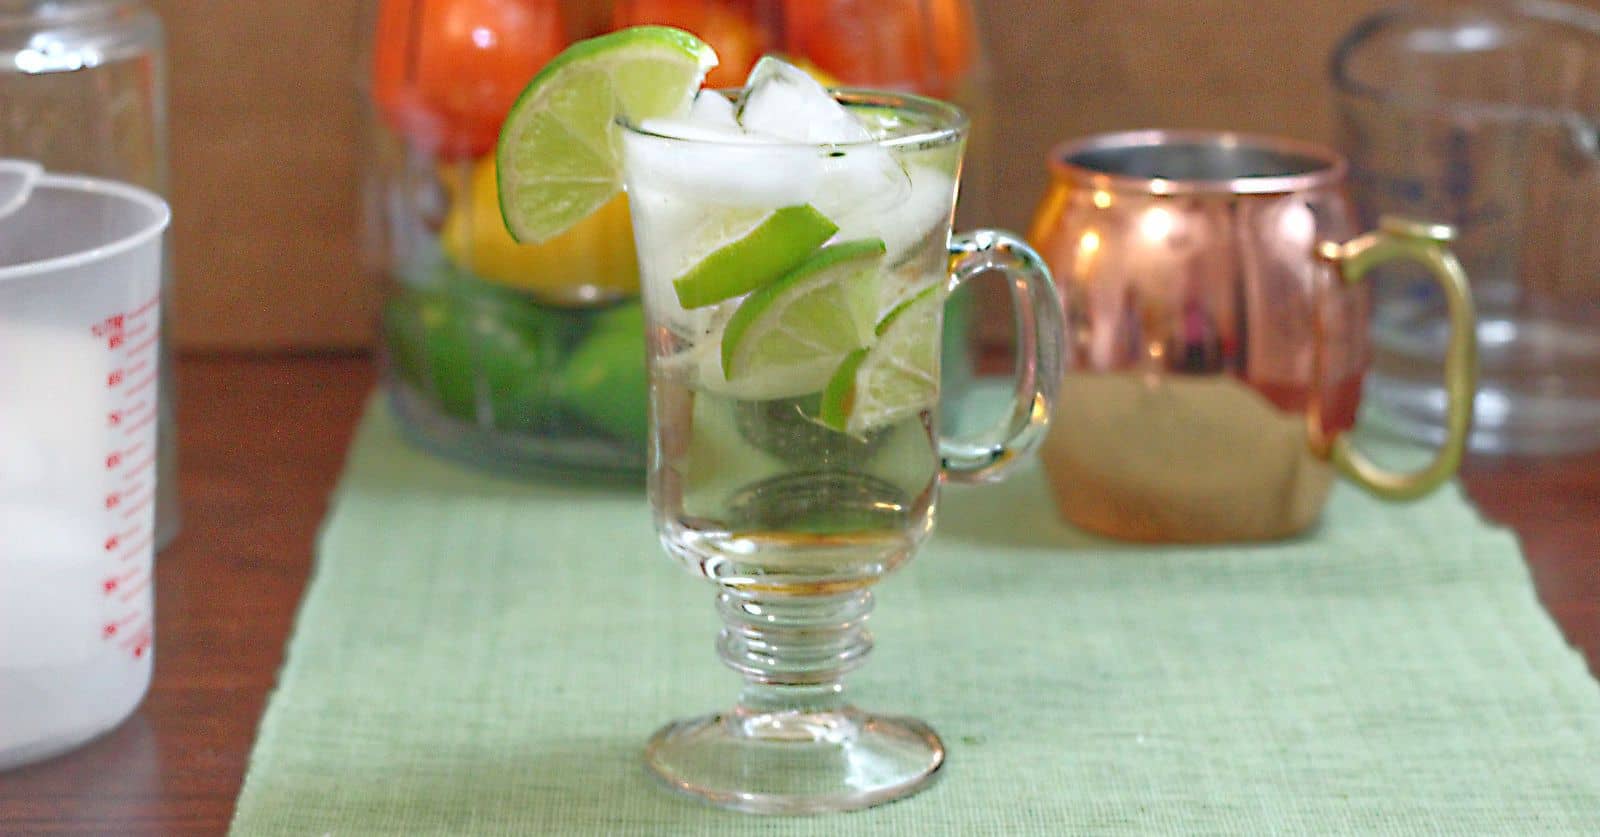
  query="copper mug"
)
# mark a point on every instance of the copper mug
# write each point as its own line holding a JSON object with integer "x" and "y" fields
{"x": 1217, "y": 335}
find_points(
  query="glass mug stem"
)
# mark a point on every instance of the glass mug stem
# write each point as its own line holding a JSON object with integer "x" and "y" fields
{"x": 793, "y": 654}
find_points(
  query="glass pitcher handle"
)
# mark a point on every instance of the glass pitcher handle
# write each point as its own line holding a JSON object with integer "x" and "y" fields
{"x": 1399, "y": 239}
{"x": 1041, "y": 341}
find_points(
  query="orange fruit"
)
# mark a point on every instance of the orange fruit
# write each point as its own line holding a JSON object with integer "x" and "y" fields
{"x": 729, "y": 26}
{"x": 445, "y": 72}
{"x": 955, "y": 38}
{"x": 920, "y": 45}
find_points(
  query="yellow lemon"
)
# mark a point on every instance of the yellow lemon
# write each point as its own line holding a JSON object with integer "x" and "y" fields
{"x": 591, "y": 263}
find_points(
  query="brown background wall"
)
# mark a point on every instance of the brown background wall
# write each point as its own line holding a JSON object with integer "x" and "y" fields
{"x": 266, "y": 131}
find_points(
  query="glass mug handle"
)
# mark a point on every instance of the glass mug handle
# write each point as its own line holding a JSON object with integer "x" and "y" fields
{"x": 987, "y": 456}
{"x": 1400, "y": 239}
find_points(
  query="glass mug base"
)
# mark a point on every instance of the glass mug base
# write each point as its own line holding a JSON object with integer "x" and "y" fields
{"x": 795, "y": 762}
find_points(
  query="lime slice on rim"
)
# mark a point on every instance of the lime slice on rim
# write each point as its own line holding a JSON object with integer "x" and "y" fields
{"x": 791, "y": 334}
{"x": 759, "y": 248}
{"x": 559, "y": 154}
{"x": 897, "y": 377}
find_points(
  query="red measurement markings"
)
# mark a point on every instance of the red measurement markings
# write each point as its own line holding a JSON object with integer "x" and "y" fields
{"x": 145, "y": 307}
{"x": 136, "y": 329}
{"x": 138, "y": 642}
{"x": 133, "y": 486}
{"x": 140, "y": 424}
{"x": 110, "y": 629}
{"x": 117, "y": 458}
{"x": 141, "y": 385}
{"x": 135, "y": 470}
{"x": 118, "y": 539}
{"x": 141, "y": 346}
{"x": 108, "y": 327}
{"x": 133, "y": 507}
{"x": 135, "y": 550}
{"x": 119, "y": 376}
{"x": 129, "y": 592}
{"x": 111, "y": 584}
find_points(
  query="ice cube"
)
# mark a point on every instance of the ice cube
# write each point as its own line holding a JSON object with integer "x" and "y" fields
{"x": 856, "y": 179}
{"x": 713, "y": 108}
{"x": 699, "y": 130}
{"x": 782, "y": 100}
{"x": 722, "y": 166}
{"x": 663, "y": 222}
{"x": 923, "y": 208}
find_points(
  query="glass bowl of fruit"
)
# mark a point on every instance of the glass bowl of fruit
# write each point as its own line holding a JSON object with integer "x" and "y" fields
{"x": 528, "y": 356}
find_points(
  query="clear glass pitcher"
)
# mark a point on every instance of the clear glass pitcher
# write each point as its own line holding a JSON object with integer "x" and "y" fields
{"x": 1485, "y": 116}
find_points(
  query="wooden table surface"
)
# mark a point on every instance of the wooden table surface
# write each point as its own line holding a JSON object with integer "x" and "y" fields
{"x": 262, "y": 443}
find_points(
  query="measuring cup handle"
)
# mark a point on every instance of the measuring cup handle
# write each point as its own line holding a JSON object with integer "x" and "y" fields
{"x": 987, "y": 456}
{"x": 1399, "y": 239}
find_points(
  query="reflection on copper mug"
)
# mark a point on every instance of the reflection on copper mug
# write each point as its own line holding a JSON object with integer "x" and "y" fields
{"x": 1217, "y": 335}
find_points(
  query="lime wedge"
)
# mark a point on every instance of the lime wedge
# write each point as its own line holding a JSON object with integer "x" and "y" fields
{"x": 897, "y": 377}
{"x": 791, "y": 334}
{"x": 757, "y": 251}
{"x": 559, "y": 153}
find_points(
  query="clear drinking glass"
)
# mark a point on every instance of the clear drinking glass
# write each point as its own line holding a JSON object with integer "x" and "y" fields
{"x": 797, "y": 470}
{"x": 1484, "y": 116}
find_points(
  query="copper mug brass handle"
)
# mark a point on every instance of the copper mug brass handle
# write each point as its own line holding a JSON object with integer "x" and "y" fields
{"x": 1399, "y": 239}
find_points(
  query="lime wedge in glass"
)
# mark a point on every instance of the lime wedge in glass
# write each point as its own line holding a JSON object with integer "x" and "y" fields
{"x": 788, "y": 336}
{"x": 559, "y": 154}
{"x": 897, "y": 377}
{"x": 748, "y": 250}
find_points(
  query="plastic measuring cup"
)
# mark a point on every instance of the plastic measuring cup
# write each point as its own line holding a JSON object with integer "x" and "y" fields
{"x": 80, "y": 290}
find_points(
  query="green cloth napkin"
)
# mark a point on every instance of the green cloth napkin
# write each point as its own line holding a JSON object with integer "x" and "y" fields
{"x": 482, "y": 656}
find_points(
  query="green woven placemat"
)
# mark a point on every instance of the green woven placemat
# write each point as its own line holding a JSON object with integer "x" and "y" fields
{"x": 481, "y": 656}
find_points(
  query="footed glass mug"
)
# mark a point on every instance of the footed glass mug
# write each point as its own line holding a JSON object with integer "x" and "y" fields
{"x": 795, "y": 455}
